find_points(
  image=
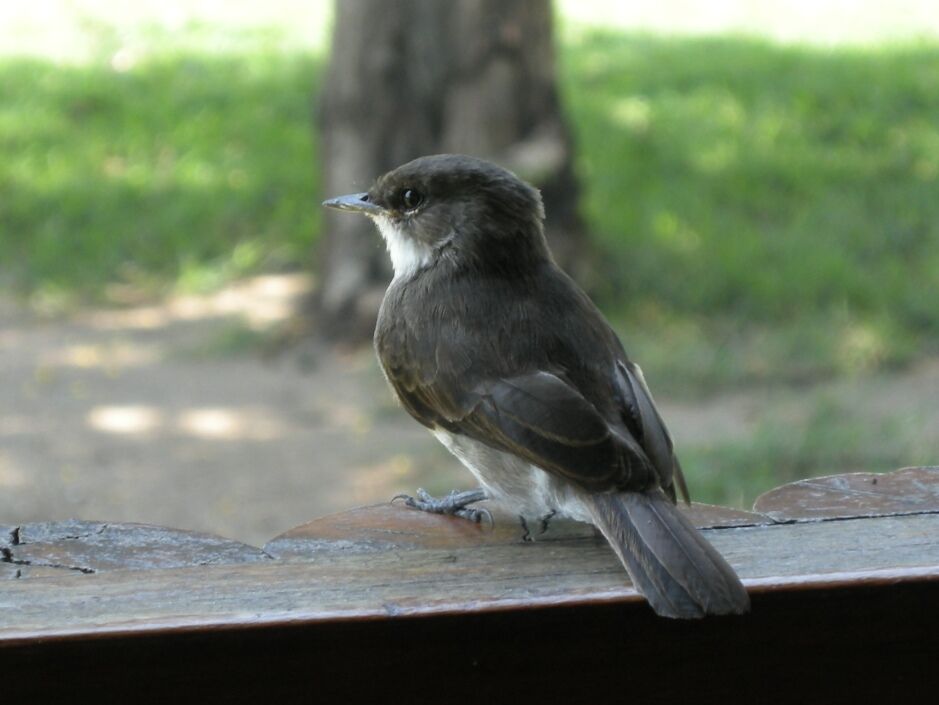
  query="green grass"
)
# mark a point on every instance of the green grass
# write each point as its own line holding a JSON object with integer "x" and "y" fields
{"x": 189, "y": 168}
{"x": 739, "y": 191}
{"x": 771, "y": 186}
{"x": 830, "y": 436}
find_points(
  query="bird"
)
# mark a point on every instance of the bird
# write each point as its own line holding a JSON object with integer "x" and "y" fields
{"x": 512, "y": 367}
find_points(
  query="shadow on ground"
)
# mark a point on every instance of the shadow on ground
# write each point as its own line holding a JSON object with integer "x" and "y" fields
{"x": 170, "y": 414}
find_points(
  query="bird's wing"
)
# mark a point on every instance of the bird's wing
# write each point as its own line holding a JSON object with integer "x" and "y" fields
{"x": 543, "y": 419}
{"x": 570, "y": 428}
{"x": 643, "y": 418}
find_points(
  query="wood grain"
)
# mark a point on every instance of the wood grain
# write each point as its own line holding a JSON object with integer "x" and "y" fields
{"x": 85, "y": 547}
{"x": 374, "y": 580}
{"x": 385, "y": 526}
{"x": 386, "y": 603}
{"x": 905, "y": 491}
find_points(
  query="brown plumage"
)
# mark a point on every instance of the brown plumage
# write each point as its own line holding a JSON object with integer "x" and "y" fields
{"x": 497, "y": 351}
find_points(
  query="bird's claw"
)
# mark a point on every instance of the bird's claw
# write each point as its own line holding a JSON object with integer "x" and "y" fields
{"x": 454, "y": 504}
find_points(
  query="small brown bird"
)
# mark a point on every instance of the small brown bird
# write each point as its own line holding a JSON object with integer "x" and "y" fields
{"x": 506, "y": 360}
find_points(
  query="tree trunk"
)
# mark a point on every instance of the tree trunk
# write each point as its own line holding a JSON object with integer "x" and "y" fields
{"x": 421, "y": 77}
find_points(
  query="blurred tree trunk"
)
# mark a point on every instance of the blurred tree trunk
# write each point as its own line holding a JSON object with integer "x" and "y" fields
{"x": 418, "y": 77}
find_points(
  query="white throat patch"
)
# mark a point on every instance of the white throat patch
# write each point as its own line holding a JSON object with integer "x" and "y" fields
{"x": 407, "y": 255}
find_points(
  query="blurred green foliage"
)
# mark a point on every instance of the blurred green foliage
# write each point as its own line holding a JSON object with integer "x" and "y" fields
{"x": 764, "y": 214}
{"x": 735, "y": 175}
{"x": 829, "y": 435}
{"x": 724, "y": 178}
{"x": 188, "y": 168}
{"x": 779, "y": 200}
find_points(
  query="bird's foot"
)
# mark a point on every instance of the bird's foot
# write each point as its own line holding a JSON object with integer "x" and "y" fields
{"x": 544, "y": 521}
{"x": 454, "y": 504}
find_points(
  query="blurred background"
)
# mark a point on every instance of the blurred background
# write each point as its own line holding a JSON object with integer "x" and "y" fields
{"x": 750, "y": 190}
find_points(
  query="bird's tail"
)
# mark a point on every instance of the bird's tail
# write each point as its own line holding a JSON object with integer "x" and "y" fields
{"x": 669, "y": 561}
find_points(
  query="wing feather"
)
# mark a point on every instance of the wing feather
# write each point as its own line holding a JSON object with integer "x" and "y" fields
{"x": 541, "y": 418}
{"x": 654, "y": 435}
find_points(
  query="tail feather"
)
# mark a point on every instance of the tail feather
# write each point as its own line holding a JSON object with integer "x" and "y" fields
{"x": 668, "y": 560}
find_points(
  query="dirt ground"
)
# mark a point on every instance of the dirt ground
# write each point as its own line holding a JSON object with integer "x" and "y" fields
{"x": 168, "y": 414}
{"x": 145, "y": 414}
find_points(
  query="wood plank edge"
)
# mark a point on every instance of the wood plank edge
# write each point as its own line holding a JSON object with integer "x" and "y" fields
{"x": 626, "y": 596}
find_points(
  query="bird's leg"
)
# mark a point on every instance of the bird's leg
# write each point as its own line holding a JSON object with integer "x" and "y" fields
{"x": 527, "y": 535}
{"x": 454, "y": 504}
{"x": 545, "y": 520}
{"x": 543, "y": 526}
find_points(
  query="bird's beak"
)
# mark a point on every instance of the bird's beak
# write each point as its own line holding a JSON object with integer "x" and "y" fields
{"x": 355, "y": 202}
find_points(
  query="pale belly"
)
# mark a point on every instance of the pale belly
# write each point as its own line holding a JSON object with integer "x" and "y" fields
{"x": 518, "y": 485}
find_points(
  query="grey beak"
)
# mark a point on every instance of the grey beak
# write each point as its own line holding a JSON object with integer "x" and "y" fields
{"x": 355, "y": 202}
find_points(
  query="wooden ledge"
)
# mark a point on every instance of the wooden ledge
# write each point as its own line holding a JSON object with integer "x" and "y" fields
{"x": 840, "y": 568}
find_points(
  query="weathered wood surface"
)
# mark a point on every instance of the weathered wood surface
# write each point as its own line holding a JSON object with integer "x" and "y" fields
{"x": 386, "y": 603}
{"x": 380, "y": 582}
{"x": 387, "y": 527}
{"x": 50, "y": 548}
{"x": 388, "y": 561}
{"x": 860, "y": 494}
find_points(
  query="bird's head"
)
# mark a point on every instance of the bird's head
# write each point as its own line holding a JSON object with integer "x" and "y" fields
{"x": 456, "y": 206}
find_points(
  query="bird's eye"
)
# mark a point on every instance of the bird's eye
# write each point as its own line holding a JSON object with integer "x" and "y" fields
{"x": 411, "y": 198}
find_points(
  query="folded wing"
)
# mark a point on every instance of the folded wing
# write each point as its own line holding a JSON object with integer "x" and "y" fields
{"x": 540, "y": 417}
